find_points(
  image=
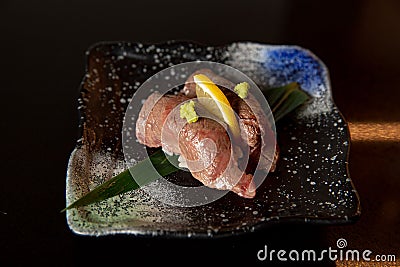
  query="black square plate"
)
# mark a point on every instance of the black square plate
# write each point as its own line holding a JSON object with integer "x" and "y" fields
{"x": 311, "y": 184}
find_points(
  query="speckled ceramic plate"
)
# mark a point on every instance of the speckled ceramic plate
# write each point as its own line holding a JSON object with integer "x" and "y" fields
{"x": 311, "y": 184}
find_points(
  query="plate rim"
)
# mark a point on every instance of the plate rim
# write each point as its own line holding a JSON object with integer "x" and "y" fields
{"x": 259, "y": 225}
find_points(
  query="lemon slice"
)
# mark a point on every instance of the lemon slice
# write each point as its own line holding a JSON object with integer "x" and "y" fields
{"x": 214, "y": 100}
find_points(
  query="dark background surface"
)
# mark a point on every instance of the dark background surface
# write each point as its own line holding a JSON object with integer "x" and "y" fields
{"x": 42, "y": 63}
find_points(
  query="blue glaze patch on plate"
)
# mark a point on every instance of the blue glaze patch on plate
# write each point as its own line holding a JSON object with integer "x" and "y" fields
{"x": 311, "y": 184}
{"x": 296, "y": 65}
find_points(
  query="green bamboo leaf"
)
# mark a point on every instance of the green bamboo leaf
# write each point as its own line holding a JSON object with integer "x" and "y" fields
{"x": 282, "y": 101}
{"x": 143, "y": 172}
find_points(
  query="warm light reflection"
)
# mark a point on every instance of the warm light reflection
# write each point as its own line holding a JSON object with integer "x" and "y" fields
{"x": 375, "y": 131}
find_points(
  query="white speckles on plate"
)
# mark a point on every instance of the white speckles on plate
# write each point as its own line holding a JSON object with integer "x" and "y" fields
{"x": 311, "y": 183}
